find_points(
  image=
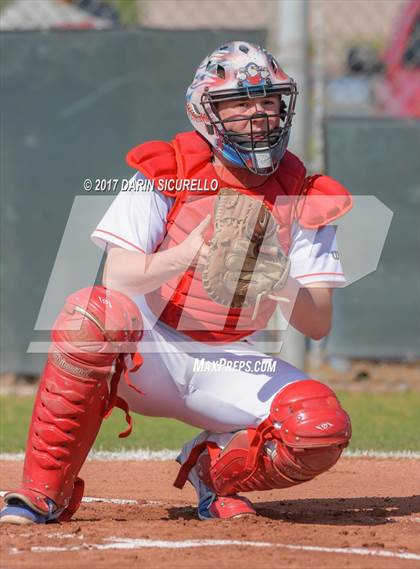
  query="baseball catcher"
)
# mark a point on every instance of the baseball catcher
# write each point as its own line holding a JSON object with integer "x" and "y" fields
{"x": 191, "y": 275}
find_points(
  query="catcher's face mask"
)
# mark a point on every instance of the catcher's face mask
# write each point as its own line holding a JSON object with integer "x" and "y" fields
{"x": 254, "y": 129}
{"x": 241, "y": 71}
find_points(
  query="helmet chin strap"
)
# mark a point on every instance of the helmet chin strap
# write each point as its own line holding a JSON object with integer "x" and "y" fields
{"x": 232, "y": 173}
{"x": 263, "y": 160}
{"x": 258, "y": 161}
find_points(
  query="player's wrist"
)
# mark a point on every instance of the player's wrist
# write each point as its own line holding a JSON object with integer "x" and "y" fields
{"x": 182, "y": 257}
{"x": 191, "y": 252}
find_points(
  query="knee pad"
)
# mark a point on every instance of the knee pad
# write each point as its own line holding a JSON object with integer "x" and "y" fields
{"x": 91, "y": 336}
{"x": 303, "y": 436}
{"x": 95, "y": 326}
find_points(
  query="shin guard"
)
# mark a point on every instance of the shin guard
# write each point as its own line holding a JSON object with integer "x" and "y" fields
{"x": 90, "y": 337}
{"x": 303, "y": 436}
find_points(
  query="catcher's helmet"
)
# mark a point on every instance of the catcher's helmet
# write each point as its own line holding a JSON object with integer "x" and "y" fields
{"x": 234, "y": 71}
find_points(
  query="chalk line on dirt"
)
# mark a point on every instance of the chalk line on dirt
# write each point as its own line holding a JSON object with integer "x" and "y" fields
{"x": 127, "y": 543}
{"x": 167, "y": 454}
{"x": 89, "y": 499}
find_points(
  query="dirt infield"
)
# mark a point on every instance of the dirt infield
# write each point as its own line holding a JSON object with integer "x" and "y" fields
{"x": 364, "y": 513}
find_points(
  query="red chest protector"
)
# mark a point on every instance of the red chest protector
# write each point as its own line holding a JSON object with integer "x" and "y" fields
{"x": 182, "y": 302}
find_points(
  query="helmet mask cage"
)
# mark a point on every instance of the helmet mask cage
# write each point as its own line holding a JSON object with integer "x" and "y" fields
{"x": 260, "y": 151}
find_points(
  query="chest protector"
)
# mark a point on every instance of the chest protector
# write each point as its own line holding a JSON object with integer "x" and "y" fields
{"x": 183, "y": 170}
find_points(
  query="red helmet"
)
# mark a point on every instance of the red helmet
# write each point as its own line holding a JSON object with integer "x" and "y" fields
{"x": 239, "y": 70}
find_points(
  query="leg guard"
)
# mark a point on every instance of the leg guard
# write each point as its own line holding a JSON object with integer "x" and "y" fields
{"x": 90, "y": 337}
{"x": 303, "y": 436}
{"x": 211, "y": 506}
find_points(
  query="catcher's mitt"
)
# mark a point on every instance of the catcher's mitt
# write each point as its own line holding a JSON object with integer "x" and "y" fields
{"x": 245, "y": 261}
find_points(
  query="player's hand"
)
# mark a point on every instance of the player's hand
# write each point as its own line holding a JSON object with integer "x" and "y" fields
{"x": 194, "y": 249}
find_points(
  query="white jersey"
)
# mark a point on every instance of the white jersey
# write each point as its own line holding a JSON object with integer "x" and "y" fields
{"x": 194, "y": 382}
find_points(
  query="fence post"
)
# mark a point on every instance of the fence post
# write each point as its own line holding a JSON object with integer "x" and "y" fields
{"x": 291, "y": 46}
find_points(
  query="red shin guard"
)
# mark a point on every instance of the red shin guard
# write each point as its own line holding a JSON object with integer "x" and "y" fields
{"x": 90, "y": 336}
{"x": 303, "y": 436}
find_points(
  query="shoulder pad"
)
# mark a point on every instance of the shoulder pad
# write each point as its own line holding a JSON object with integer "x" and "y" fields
{"x": 154, "y": 159}
{"x": 192, "y": 142}
{"x": 324, "y": 200}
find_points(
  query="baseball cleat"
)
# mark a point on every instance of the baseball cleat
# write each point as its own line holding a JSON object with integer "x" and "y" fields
{"x": 210, "y": 505}
{"x": 225, "y": 508}
{"x": 19, "y": 513}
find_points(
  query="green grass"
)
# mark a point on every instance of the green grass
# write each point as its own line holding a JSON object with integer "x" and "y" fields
{"x": 381, "y": 421}
{"x": 148, "y": 432}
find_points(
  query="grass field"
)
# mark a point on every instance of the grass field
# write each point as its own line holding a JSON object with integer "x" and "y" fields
{"x": 381, "y": 421}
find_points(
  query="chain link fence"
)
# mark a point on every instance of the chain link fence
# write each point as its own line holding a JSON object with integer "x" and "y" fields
{"x": 339, "y": 24}
{"x": 337, "y": 28}
{"x": 347, "y": 40}
{"x": 345, "y": 24}
{"x": 67, "y": 14}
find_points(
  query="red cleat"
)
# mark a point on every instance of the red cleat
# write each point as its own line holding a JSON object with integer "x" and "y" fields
{"x": 228, "y": 507}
